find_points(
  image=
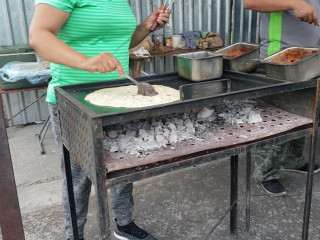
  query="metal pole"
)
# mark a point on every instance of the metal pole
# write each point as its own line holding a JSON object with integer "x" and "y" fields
{"x": 10, "y": 216}
{"x": 314, "y": 142}
{"x": 248, "y": 191}
{"x": 72, "y": 205}
{"x": 234, "y": 194}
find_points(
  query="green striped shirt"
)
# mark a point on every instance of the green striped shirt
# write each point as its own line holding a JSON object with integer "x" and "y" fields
{"x": 94, "y": 26}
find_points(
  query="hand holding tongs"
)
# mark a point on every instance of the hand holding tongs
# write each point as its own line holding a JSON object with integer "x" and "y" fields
{"x": 163, "y": 7}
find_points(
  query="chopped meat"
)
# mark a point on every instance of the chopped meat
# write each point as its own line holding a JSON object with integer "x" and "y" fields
{"x": 292, "y": 56}
{"x": 234, "y": 53}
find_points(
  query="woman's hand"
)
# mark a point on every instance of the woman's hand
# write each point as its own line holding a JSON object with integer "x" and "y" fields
{"x": 143, "y": 30}
{"x": 305, "y": 12}
{"x": 102, "y": 63}
{"x": 163, "y": 18}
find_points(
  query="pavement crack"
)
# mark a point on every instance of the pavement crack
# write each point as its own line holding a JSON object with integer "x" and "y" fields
{"x": 28, "y": 184}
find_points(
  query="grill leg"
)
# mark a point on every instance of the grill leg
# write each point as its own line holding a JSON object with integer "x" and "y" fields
{"x": 103, "y": 211}
{"x": 248, "y": 191}
{"x": 42, "y": 134}
{"x": 234, "y": 194}
{"x": 72, "y": 205}
{"x": 314, "y": 144}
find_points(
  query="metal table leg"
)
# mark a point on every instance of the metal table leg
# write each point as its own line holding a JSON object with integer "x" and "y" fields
{"x": 234, "y": 194}
{"x": 72, "y": 205}
{"x": 10, "y": 216}
{"x": 42, "y": 134}
{"x": 314, "y": 143}
{"x": 100, "y": 183}
{"x": 103, "y": 211}
{"x": 248, "y": 191}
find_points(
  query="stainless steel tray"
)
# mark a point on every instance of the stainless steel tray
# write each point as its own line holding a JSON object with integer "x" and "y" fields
{"x": 205, "y": 89}
{"x": 306, "y": 69}
{"x": 244, "y": 62}
{"x": 200, "y": 66}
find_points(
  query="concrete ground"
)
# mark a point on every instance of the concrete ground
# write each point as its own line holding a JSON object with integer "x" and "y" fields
{"x": 183, "y": 205}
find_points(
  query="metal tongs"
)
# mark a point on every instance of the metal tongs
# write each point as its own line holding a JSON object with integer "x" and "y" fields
{"x": 144, "y": 89}
{"x": 163, "y": 7}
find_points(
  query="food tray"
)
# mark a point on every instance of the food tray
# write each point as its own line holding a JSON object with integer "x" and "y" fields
{"x": 244, "y": 62}
{"x": 200, "y": 66}
{"x": 205, "y": 89}
{"x": 305, "y": 69}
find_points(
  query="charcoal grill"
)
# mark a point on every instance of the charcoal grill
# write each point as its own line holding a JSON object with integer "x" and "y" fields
{"x": 82, "y": 127}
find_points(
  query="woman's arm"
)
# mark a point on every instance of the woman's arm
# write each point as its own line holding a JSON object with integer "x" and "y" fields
{"x": 45, "y": 26}
{"x": 142, "y": 30}
{"x": 303, "y": 10}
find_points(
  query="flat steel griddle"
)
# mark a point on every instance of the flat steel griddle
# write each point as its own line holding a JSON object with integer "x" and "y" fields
{"x": 242, "y": 86}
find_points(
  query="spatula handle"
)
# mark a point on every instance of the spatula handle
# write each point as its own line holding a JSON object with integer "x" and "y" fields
{"x": 131, "y": 79}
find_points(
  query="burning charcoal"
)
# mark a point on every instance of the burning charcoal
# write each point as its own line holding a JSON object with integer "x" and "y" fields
{"x": 254, "y": 117}
{"x": 173, "y": 138}
{"x": 143, "y": 134}
{"x": 191, "y": 129}
{"x": 153, "y": 123}
{"x": 178, "y": 122}
{"x": 162, "y": 140}
{"x": 205, "y": 113}
{"x": 181, "y": 128}
{"x": 166, "y": 133}
{"x": 246, "y": 110}
{"x": 113, "y": 134}
{"x": 114, "y": 149}
{"x": 171, "y": 126}
{"x": 158, "y": 128}
{"x": 143, "y": 137}
{"x": 188, "y": 123}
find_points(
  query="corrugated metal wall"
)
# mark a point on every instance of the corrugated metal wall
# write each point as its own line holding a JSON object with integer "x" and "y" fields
{"x": 14, "y": 102}
{"x": 188, "y": 15}
{"x": 245, "y": 24}
{"x": 233, "y": 23}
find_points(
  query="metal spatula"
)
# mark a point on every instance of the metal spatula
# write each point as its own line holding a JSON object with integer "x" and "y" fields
{"x": 144, "y": 89}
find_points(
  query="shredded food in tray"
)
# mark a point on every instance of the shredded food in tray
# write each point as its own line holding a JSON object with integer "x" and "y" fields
{"x": 292, "y": 56}
{"x": 234, "y": 53}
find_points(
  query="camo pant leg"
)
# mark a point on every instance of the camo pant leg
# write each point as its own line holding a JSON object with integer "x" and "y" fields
{"x": 293, "y": 158}
{"x": 270, "y": 159}
{"x": 267, "y": 162}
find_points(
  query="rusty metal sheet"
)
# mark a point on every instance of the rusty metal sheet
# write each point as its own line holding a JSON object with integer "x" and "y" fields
{"x": 275, "y": 121}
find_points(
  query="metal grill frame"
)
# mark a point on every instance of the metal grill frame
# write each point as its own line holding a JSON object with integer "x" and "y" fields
{"x": 82, "y": 132}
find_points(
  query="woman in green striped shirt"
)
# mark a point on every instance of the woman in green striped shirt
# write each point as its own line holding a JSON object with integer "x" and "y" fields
{"x": 89, "y": 41}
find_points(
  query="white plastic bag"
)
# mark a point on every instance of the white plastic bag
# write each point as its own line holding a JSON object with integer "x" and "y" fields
{"x": 32, "y": 71}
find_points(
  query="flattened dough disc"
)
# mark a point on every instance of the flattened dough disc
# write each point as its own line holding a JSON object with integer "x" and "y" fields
{"x": 127, "y": 97}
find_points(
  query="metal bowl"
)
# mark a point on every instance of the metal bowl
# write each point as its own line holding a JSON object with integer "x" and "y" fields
{"x": 244, "y": 62}
{"x": 200, "y": 66}
{"x": 305, "y": 69}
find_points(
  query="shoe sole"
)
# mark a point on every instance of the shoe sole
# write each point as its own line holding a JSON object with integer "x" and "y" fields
{"x": 297, "y": 171}
{"x": 120, "y": 237}
{"x": 274, "y": 194}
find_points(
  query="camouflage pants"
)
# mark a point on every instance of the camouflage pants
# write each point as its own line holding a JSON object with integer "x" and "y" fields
{"x": 270, "y": 159}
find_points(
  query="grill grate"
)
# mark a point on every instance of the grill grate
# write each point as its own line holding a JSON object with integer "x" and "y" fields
{"x": 275, "y": 121}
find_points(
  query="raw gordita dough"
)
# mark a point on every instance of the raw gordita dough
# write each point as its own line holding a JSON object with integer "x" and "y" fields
{"x": 127, "y": 97}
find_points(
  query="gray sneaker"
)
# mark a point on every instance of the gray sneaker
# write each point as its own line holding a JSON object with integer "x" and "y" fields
{"x": 274, "y": 187}
{"x": 132, "y": 232}
{"x": 303, "y": 169}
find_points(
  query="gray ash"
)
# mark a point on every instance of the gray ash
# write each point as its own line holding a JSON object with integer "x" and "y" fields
{"x": 140, "y": 138}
